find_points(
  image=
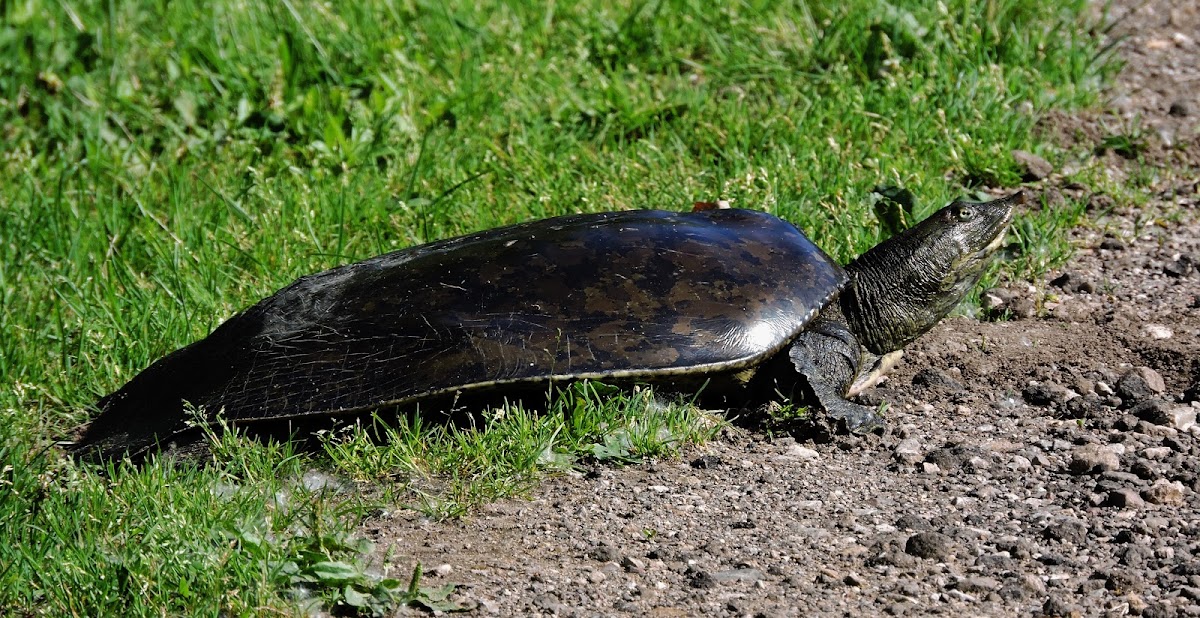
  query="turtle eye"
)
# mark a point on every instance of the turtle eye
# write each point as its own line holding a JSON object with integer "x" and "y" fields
{"x": 964, "y": 213}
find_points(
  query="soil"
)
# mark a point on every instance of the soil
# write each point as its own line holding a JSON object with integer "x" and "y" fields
{"x": 1047, "y": 464}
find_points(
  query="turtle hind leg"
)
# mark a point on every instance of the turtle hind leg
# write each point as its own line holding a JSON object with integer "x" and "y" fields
{"x": 829, "y": 358}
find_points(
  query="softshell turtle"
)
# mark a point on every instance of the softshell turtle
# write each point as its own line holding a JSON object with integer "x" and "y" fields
{"x": 738, "y": 302}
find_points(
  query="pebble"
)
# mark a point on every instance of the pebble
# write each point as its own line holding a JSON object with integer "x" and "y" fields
{"x": 1066, "y": 530}
{"x": 1072, "y": 282}
{"x": 908, "y": 451}
{"x": 1159, "y": 412}
{"x": 1158, "y": 331}
{"x": 1140, "y": 383}
{"x": 802, "y": 452}
{"x": 1124, "y": 499}
{"x": 1039, "y": 394}
{"x": 1164, "y": 492}
{"x": 1155, "y": 453}
{"x": 738, "y": 575}
{"x": 928, "y": 544}
{"x": 1193, "y": 392}
{"x": 976, "y": 585}
{"x": 706, "y": 462}
{"x": 1093, "y": 459}
{"x": 1057, "y": 608}
{"x": 936, "y": 378}
{"x": 1036, "y": 168}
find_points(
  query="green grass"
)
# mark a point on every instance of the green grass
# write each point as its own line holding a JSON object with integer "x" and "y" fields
{"x": 167, "y": 164}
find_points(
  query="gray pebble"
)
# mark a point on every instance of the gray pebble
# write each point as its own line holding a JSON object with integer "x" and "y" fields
{"x": 1093, "y": 459}
{"x": 1056, "y": 607}
{"x": 1040, "y": 394}
{"x": 976, "y": 585}
{"x": 928, "y": 544}
{"x": 1159, "y": 412}
{"x": 1124, "y": 499}
{"x": 1035, "y": 167}
{"x": 1066, "y": 530}
{"x": 933, "y": 377}
{"x": 1138, "y": 384}
{"x": 1164, "y": 492}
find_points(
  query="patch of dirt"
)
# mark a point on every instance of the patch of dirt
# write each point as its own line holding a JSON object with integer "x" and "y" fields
{"x": 1045, "y": 465}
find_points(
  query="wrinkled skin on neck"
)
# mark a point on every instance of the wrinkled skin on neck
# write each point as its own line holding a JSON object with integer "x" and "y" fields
{"x": 902, "y": 287}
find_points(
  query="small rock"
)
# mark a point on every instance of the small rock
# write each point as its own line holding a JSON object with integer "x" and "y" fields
{"x": 928, "y": 544}
{"x": 1122, "y": 581}
{"x": 1036, "y": 168}
{"x": 1164, "y": 492}
{"x": 701, "y": 579}
{"x": 1102, "y": 202}
{"x": 1192, "y": 393}
{"x": 604, "y": 553}
{"x": 1020, "y": 463}
{"x": 936, "y": 378}
{"x": 738, "y": 575}
{"x": 1158, "y": 331}
{"x": 706, "y": 462}
{"x": 1143, "y": 469}
{"x": 1180, "y": 108}
{"x": 908, "y": 451}
{"x": 1140, "y": 383}
{"x": 993, "y": 300}
{"x": 1023, "y": 587}
{"x": 999, "y": 301}
{"x": 976, "y": 585}
{"x": 1135, "y": 556}
{"x": 1072, "y": 282}
{"x": 1155, "y": 453}
{"x": 1160, "y": 412}
{"x": 1137, "y": 605}
{"x": 954, "y": 456}
{"x": 802, "y": 452}
{"x": 1184, "y": 266}
{"x": 1038, "y": 394}
{"x": 1055, "y": 607}
{"x": 1124, "y": 499}
{"x": 912, "y": 522}
{"x": 1093, "y": 459}
{"x": 1066, "y": 530}
{"x": 633, "y": 565}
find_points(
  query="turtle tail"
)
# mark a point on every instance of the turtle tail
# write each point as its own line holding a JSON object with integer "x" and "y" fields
{"x": 150, "y": 410}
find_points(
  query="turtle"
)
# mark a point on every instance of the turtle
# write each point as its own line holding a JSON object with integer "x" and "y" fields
{"x": 738, "y": 305}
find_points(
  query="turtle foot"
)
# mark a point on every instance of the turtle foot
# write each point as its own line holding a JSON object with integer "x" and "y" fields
{"x": 843, "y": 418}
{"x": 854, "y": 419}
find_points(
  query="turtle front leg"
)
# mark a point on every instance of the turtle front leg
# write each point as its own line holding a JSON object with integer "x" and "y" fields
{"x": 829, "y": 358}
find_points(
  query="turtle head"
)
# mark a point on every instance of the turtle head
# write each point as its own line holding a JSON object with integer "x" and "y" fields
{"x": 905, "y": 285}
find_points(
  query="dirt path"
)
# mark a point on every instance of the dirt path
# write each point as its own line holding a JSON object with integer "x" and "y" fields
{"x": 1043, "y": 465}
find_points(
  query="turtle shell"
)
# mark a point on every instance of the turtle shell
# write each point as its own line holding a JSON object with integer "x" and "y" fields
{"x": 621, "y": 295}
